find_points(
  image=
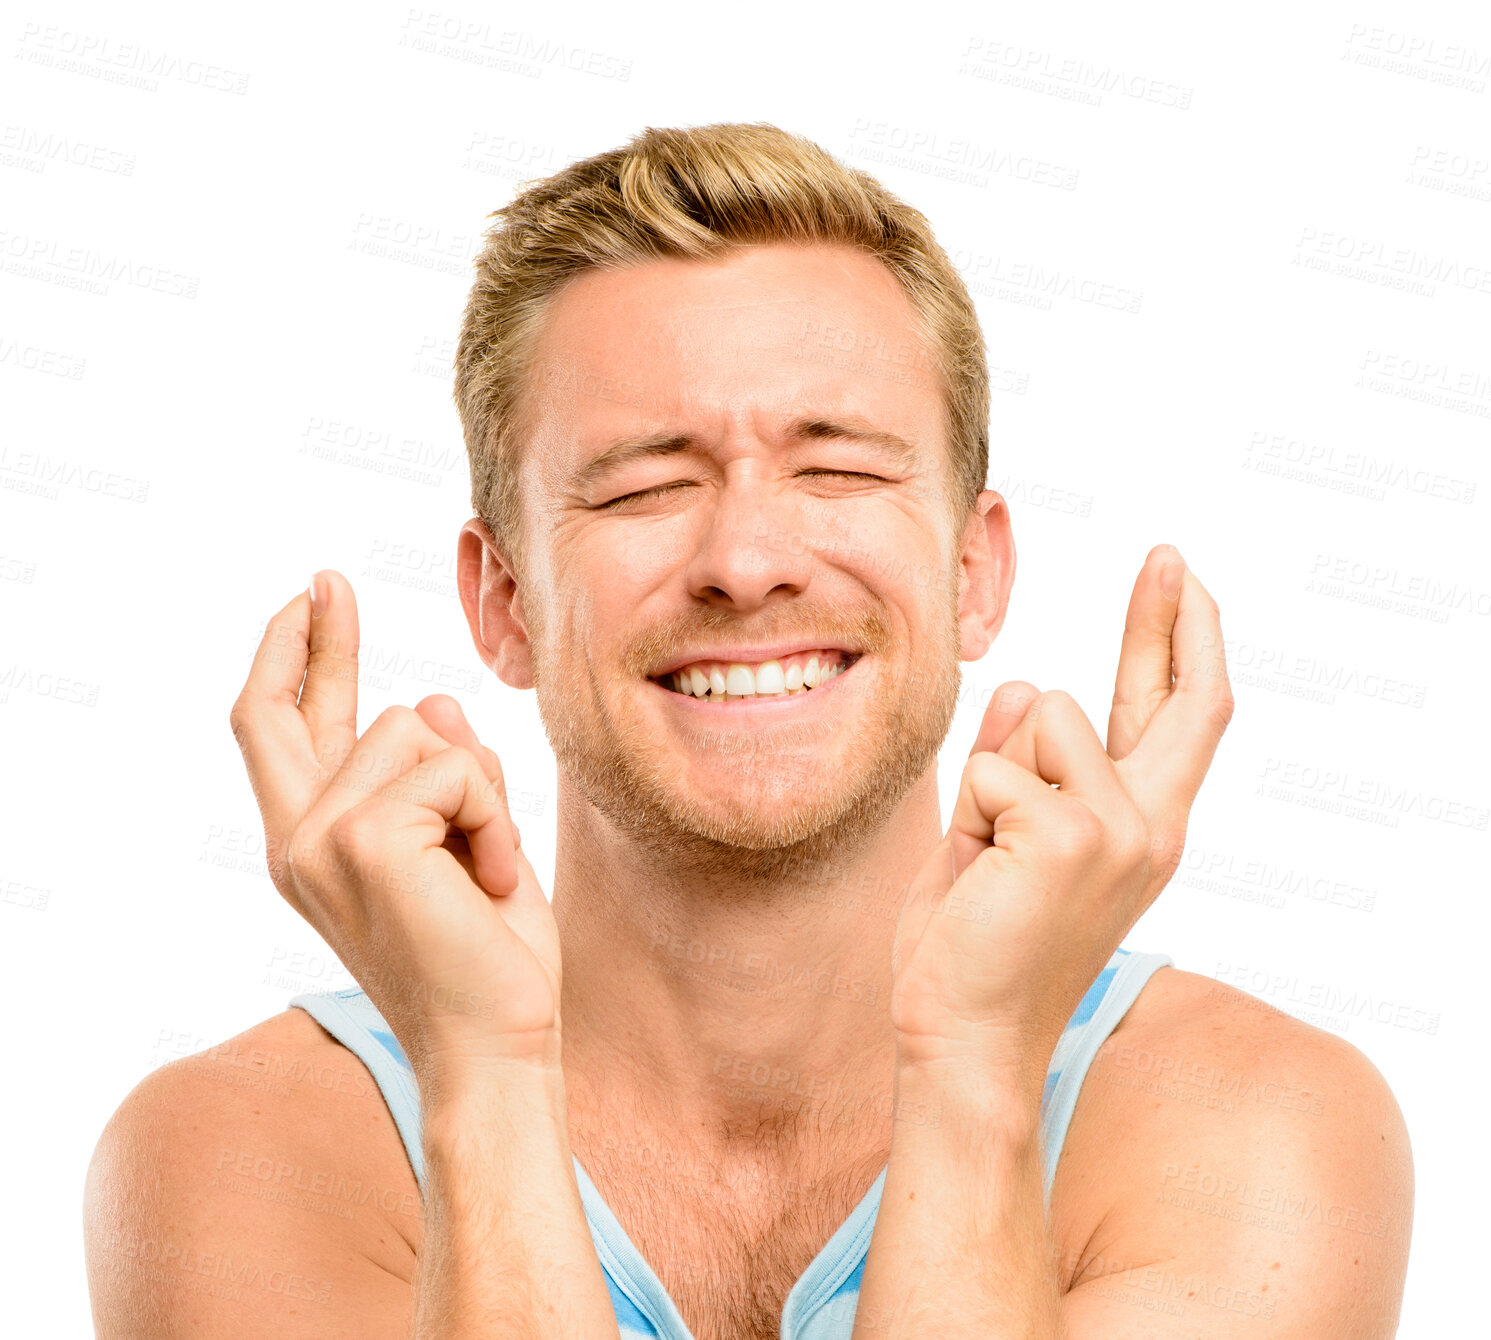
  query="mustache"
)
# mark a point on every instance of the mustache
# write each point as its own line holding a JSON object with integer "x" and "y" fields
{"x": 864, "y": 630}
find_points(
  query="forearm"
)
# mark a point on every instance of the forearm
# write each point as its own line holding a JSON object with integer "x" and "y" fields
{"x": 961, "y": 1247}
{"x": 507, "y": 1250}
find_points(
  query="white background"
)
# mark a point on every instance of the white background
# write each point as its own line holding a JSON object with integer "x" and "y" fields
{"x": 234, "y": 248}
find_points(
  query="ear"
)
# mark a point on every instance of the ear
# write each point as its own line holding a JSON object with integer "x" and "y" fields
{"x": 494, "y": 608}
{"x": 985, "y": 575}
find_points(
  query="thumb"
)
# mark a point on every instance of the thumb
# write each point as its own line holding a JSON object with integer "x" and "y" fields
{"x": 1006, "y": 710}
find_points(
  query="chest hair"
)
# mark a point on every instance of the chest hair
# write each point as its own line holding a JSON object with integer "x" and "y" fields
{"x": 729, "y": 1250}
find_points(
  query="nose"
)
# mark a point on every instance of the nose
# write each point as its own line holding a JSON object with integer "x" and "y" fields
{"x": 752, "y": 544}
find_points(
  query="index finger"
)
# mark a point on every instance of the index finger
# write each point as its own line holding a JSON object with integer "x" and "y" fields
{"x": 1169, "y": 762}
{"x": 329, "y": 699}
{"x": 1143, "y": 681}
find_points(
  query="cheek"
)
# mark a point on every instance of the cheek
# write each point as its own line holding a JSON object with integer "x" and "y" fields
{"x": 627, "y": 558}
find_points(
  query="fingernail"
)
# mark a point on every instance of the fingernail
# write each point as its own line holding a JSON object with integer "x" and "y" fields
{"x": 318, "y": 595}
{"x": 1170, "y": 576}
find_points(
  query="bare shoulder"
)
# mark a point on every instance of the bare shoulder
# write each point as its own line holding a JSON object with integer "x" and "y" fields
{"x": 1216, "y": 1132}
{"x": 261, "y": 1183}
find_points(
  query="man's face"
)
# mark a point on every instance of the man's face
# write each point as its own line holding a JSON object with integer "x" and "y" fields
{"x": 756, "y": 547}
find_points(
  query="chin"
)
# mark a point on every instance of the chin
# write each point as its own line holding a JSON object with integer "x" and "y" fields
{"x": 761, "y": 825}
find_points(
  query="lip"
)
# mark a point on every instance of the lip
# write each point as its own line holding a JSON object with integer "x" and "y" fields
{"x": 752, "y": 655}
{"x": 771, "y": 702}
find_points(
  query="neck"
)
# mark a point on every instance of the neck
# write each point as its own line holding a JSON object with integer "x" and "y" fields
{"x": 746, "y": 1017}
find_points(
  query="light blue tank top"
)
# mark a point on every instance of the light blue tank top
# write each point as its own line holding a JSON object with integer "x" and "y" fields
{"x": 821, "y": 1305}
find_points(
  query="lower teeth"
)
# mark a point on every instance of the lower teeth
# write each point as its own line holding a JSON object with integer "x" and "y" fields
{"x": 740, "y": 697}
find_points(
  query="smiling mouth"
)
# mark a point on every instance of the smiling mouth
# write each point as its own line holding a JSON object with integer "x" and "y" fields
{"x": 737, "y": 681}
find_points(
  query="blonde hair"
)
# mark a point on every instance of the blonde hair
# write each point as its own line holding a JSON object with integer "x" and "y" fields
{"x": 695, "y": 193}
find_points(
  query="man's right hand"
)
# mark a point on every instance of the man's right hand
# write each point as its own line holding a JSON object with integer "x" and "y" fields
{"x": 399, "y": 849}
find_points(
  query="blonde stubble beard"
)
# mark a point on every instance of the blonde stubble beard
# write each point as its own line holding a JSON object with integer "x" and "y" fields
{"x": 615, "y": 766}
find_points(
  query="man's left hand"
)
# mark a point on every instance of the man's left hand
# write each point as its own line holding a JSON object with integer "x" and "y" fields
{"x": 1057, "y": 845}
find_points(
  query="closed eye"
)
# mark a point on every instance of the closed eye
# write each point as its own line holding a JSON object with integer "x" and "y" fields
{"x": 848, "y": 474}
{"x": 645, "y": 493}
{"x": 689, "y": 483}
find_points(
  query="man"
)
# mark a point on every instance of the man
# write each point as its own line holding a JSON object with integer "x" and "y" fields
{"x": 739, "y": 560}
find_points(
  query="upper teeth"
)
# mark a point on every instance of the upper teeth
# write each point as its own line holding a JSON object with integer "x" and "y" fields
{"x": 740, "y": 679}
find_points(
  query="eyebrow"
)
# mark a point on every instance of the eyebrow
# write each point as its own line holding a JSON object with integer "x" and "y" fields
{"x": 813, "y": 428}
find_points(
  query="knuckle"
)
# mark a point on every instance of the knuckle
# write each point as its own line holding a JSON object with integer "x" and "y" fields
{"x": 1066, "y": 711}
{"x": 350, "y": 834}
{"x": 1046, "y": 701}
{"x": 301, "y": 855}
{"x": 1090, "y": 827}
{"x": 1166, "y": 847}
{"x": 277, "y": 858}
{"x": 1013, "y": 696}
{"x": 980, "y": 770}
{"x": 456, "y": 765}
{"x": 1079, "y": 832}
{"x": 398, "y": 717}
{"x": 1133, "y": 841}
{"x": 464, "y": 759}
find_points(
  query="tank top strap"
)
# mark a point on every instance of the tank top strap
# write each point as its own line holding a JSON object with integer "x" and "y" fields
{"x": 350, "y": 1017}
{"x": 354, "y": 1021}
{"x": 1096, "y": 1016}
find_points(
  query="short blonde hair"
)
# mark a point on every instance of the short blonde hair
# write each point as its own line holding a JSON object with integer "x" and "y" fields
{"x": 695, "y": 193}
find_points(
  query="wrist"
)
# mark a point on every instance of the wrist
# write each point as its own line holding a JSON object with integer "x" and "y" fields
{"x": 482, "y": 1062}
{"x": 461, "y": 1092}
{"x": 995, "y": 1084}
{"x": 954, "y": 1117}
